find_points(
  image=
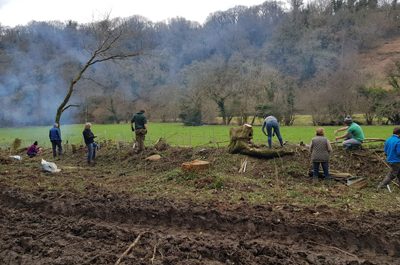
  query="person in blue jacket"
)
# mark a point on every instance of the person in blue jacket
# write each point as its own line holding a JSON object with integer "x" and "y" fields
{"x": 392, "y": 151}
{"x": 55, "y": 139}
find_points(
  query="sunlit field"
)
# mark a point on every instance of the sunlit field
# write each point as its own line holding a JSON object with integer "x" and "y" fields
{"x": 175, "y": 134}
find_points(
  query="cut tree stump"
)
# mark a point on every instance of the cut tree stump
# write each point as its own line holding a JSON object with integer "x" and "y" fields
{"x": 240, "y": 142}
{"x": 196, "y": 165}
{"x": 153, "y": 158}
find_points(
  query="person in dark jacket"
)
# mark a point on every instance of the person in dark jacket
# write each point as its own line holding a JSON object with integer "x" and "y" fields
{"x": 392, "y": 151}
{"x": 272, "y": 125}
{"x": 88, "y": 137}
{"x": 55, "y": 139}
{"x": 320, "y": 150}
{"x": 33, "y": 150}
{"x": 140, "y": 128}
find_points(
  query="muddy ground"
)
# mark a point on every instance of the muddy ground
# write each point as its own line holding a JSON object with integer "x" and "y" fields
{"x": 96, "y": 224}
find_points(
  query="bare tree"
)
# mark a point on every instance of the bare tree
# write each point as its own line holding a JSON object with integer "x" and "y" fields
{"x": 108, "y": 46}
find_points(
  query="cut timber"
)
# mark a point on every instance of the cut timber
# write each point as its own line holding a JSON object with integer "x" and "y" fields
{"x": 340, "y": 175}
{"x": 196, "y": 165}
{"x": 345, "y": 178}
{"x": 153, "y": 158}
{"x": 357, "y": 182}
{"x": 366, "y": 140}
{"x": 266, "y": 153}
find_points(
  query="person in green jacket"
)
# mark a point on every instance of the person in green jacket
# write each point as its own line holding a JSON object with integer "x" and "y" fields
{"x": 140, "y": 129}
{"x": 354, "y": 135}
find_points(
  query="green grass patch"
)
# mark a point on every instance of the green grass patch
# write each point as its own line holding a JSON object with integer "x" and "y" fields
{"x": 175, "y": 133}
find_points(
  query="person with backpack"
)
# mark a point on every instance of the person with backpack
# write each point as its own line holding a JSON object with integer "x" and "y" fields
{"x": 140, "y": 129}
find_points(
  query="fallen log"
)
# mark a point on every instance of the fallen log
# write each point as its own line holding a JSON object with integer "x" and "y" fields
{"x": 240, "y": 143}
{"x": 265, "y": 153}
{"x": 366, "y": 140}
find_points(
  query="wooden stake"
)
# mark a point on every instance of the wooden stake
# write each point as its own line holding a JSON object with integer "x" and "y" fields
{"x": 128, "y": 249}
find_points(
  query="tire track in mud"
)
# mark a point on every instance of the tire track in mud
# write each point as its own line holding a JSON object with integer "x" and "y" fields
{"x": 188, "y": 233}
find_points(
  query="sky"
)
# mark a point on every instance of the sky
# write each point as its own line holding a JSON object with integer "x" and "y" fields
{"x": 21, "y": 12}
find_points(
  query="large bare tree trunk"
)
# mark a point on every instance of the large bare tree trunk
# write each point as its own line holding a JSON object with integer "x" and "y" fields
{"x": 102, "y": 53}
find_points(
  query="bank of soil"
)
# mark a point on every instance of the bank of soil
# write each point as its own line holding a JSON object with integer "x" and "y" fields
{"x": 91, "y": 215}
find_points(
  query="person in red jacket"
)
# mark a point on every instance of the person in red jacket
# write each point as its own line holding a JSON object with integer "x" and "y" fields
{"x": 33, "y": 150}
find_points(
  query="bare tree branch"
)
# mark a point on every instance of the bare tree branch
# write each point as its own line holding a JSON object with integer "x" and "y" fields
{"x": 71, "y": 105}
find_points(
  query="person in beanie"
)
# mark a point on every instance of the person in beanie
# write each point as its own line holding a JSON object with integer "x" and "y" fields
{"x": 354, "y": 136}
{"x": 392, "y": 151}
{"x": 140, "y": 129}
{"x": 33, "y": 150}
{"x": 55, "y": 139}
{"x": 88, "y": 137}
{"x": 272, "y": 126}
{"x": 320, "y": 151}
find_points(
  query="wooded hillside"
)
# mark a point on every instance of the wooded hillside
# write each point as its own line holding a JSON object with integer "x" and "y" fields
{"x": 325, "y": 58}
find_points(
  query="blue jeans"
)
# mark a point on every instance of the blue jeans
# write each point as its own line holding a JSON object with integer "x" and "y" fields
{"x": 91, "y": 152}
{"x": 275, "y": 126}
{"x": 325, "y": 168}
{"x": 351, "y": 143}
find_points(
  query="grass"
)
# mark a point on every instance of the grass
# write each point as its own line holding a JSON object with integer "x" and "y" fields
{"x": 175, "y": 134}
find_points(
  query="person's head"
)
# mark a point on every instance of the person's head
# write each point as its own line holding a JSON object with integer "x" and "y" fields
{"x": 142, "y": 111}
{"x": 88, "y": 125}
{"x": 396, "y": 131}
{"x": 35, "y": 143}
{"x": 348, "y": 120}
{"x": 320, "y": 132}
{"x": 55, "y": 125}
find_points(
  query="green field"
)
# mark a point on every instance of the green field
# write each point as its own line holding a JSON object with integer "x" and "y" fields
{"x": 174, "y": 133}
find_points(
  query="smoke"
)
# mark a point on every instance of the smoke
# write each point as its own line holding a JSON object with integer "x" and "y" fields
{"x": 40, "y": 66}
{"x": 3, "y": 3}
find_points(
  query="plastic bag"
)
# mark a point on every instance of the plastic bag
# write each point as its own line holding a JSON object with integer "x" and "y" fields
{"x": 50, "y": 167}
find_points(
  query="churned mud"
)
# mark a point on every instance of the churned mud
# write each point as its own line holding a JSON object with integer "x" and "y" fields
{"x": 96, "y": 228}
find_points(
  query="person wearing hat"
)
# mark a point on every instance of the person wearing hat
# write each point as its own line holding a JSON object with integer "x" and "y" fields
{"x": 140, "y": 129}
{"x": 354, "y": 135}
{"x": 271, "y": 123}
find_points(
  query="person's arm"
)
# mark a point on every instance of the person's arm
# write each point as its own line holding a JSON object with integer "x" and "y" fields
{"x": 263, "y": 128}
{"x": 311, "y": 146}
{"x": 92, "y": 135}
{"x": 329, "y": 146}
{"x": 341, "y": 129}
{"x": 132, "y": 121}
{"x": 59, "y": 133}
{"x": 145, "y": 123}
{"x": 50, "y": 134}
{"x": 342, "y": 137}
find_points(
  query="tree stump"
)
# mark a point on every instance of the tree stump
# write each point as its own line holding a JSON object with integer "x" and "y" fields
{"x": 240, "y": 142}
{"x": 195, "y": 165}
